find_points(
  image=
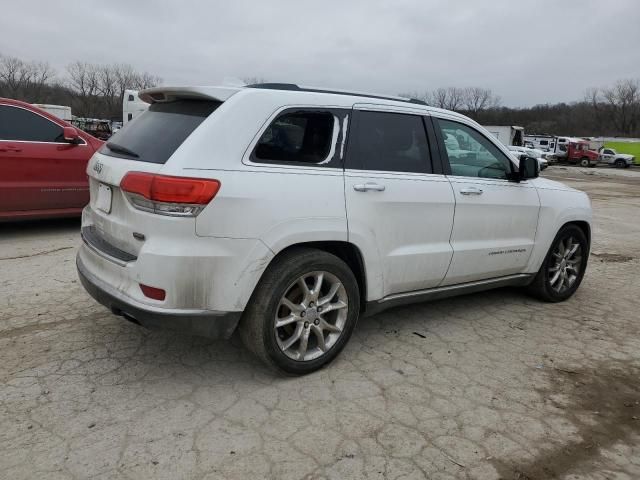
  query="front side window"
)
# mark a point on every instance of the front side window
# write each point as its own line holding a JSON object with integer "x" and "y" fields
{"x": 608, "y": 152}
{"x": 544, "y": 142}
{"x": 394, "y": 142}
{"x": 471, "y": 154}
{"x": 298, "y": 137}
{"x": 19, "y": 124}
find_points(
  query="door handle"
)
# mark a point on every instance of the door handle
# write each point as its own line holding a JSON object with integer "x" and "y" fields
{"x": 471, "y": 191}
{"x": 366, "y": 187}
{"x": 10, "y": 148}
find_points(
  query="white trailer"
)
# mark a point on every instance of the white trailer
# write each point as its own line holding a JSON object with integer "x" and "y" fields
{"x": 132, "y": 106}
{"x": 61, "y": 111}
{"x": 507, "y": 134}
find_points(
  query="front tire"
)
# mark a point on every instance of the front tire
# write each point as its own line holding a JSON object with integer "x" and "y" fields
{"x": 584, "y": 162}
{"x": 563, "y": 268}
{"x": 621, "y": 164}
{"x": 302, "y": 312}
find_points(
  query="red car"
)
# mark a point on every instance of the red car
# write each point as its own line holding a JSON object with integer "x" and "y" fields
{"x": 42, "y": 163}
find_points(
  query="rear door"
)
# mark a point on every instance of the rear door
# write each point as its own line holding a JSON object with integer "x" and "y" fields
{"x": 399, "y": 209}
{"x": 40, "y": 171}
{"x": 495, "y": 219}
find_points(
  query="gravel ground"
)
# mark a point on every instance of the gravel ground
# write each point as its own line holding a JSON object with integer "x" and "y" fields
{"x": 486, "y": 386}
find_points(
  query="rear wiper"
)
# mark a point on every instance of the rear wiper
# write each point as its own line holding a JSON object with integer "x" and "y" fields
{"x": 114, "y": 147}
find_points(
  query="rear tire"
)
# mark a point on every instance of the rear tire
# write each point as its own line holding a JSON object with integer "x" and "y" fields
{"x": 561, "y": 272}
{"x": 296, "y": 329}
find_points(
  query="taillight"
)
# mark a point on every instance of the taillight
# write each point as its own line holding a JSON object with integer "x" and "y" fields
{"x": 166, "y": 195}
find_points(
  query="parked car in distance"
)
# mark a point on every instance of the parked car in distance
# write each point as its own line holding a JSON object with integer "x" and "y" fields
{"x": 98, "y": 128}
{"x": 288, "y": 212}
{"x": 620, "y": 160}
{"x": 539, "y": 155}
{"x": 43, "y": 162}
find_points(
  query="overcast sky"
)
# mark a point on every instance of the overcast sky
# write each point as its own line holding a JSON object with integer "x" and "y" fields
{"x": 529, "y": 52}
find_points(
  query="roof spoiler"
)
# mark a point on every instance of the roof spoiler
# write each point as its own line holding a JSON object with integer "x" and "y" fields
{"x": 169, "y": 94}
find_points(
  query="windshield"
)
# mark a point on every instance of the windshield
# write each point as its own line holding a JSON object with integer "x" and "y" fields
{"x": 158, "y": 132}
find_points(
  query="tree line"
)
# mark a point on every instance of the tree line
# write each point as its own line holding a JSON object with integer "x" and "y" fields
{"x": 96, "y": 91}
{"x": 91, "y": 90}
{"x": 612, "y": 110}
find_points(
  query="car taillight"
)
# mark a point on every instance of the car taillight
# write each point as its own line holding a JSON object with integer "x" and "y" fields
{"x": 166, "y": 195}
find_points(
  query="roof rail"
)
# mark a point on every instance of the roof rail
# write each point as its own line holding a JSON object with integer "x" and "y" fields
{"x": 294, "y": 87}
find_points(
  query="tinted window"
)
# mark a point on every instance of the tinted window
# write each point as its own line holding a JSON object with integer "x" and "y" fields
{"x": 20, "y": 124}
{"x": 394, "y": 142}
{"x": 544, "y": 142}
{"x": 156, "y": 133}
{"x": 297, "y": 137}
{"x": 471, "y": 154}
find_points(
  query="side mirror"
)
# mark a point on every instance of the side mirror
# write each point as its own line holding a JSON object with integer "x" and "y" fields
{"x": 71, "y": 135}
{"x": 529, "y": 167}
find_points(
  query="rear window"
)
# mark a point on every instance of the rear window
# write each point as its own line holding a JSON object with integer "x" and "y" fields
{"x": 300, "y": 136}
{"x": 157, "y": 133}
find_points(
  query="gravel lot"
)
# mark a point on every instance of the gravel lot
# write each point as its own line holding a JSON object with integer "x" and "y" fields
{"x": 487, "y": 386}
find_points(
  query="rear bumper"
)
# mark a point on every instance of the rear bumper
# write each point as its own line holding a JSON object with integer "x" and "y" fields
{"x": 205, "y": 323}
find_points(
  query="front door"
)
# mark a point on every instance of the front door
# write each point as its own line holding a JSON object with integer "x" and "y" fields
{"x": 495, "y": 219}
{"x": 399, "y": 213}
{"x": 40, "y": 171}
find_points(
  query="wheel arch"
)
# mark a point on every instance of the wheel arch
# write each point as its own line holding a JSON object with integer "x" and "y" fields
{"x": 346, "y": 251}
{"x": 582, "y": 225}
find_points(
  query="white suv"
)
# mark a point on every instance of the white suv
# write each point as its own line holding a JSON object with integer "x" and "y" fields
{"x": 288, "y": 212}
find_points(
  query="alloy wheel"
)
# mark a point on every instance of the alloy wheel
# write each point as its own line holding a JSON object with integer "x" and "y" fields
{"x": 567, "y": 261}
{"x": 311, "y": 316}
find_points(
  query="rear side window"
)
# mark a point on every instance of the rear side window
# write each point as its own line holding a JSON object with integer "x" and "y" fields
{"x": 157, "y": 133}
{"x": 393, "y": 142}
{"x": 22, "y": 125}
{"x": 299, "y": 137}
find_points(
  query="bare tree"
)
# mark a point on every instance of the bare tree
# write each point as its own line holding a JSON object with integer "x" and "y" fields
{"x": 476, "y": 99}
{"x": 99, "y": 89}
{"x": 42, "y": 76}
{"x": 84, "y": 81}
{"x": 24, "y": 80}
{"x": 623, "y": 100}
{"x": 451, "y": 98}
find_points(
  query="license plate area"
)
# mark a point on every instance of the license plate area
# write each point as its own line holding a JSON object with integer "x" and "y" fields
{"x": 103, "y": 200}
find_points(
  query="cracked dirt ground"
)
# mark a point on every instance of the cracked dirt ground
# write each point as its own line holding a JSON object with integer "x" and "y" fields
{"x": 487, "y": 386}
